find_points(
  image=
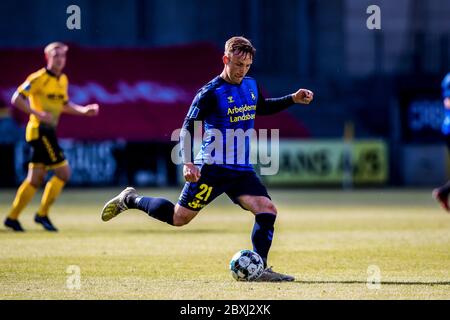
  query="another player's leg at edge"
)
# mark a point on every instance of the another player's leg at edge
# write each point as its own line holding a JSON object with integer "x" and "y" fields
{"x": 177, "y": 215}
{"x": 441, "y": 196}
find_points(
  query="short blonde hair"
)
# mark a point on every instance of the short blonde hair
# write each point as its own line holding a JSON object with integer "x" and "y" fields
{"x": 54, "y": 45}
{"x": 239, "y": 45}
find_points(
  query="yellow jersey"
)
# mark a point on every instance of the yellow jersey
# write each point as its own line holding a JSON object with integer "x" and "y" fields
{"x": 45, "y": 92}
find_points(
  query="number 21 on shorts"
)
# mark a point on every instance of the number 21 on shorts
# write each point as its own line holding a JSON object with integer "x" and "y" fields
{"x": 204, "y": 188}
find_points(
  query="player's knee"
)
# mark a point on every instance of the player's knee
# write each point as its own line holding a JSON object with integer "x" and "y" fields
{"x": 36, "y": 182}
{"x": 273, "y": 209}
{"x": 36, "y": 179}
{"x": 269, "y": 207}
{"x": 66, "y": 176}
{"x": 264, "y": 205}
{"x": 64, "y": 173}
{"x": 182, "y": 216}
{"x": 179, "y": 220}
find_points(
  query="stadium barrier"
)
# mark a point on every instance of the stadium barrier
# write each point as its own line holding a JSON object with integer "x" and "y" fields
{"x": 331, "y": 162}
{"x": 103, "y": 163}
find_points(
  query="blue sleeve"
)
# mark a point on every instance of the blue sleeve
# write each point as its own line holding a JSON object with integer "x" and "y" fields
{"x": 204, "y": 103}
{"x": 268, "y": 106}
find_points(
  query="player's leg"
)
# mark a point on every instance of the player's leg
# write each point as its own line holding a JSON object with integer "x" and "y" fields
{"x": 158, "y": 208}
{"x": 162, "y": 209}
{"x": 54, "y": 159}
{"x": 53, "y": 188}
{"x": 262, "y": 234}
{"x": 52, "y": 191}
{"x": 442, "y": 193}
{"x": 265, "y": 215}
{"x": 183, "y": 216}
{"x": 251, "y": 194}
{"x": 35, "y": 178}
{"x": 193, "y": 198}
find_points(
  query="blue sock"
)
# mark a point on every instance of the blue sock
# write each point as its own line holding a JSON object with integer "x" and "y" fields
{"x": 157, "y": 208}
{"x": 262, "y": 234}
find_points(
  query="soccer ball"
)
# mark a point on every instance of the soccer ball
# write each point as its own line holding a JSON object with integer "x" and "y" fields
{"x": 246, "y": 265}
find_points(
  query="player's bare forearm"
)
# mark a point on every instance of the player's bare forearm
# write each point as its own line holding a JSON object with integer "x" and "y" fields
{"x": 88, "y": 110}
{"x": 21, "y": 103}
{"x": 74, "y": 109}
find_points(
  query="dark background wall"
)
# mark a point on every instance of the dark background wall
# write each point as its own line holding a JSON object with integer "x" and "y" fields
{"x": 365, "y": 76}
{"x": 323, "y": 44}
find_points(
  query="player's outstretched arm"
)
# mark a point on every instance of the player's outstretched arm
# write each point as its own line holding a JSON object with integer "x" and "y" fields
{"x": 269, "y": 106}
{"x": 88, "y": 110}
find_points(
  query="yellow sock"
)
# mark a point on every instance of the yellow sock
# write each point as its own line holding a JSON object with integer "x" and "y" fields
{"x": 23, "y": 196}
{"x": 52, "y": 190}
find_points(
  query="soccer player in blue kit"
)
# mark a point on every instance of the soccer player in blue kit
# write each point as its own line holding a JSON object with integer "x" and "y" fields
{"x": 441, "y": 193}
{"x": 230, "y": 93}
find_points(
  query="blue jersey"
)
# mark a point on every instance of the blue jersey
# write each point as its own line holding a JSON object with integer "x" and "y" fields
{"x": 227, "y": 111}
{"x": 446, "y": 123}
{"x": 446, "y": 94}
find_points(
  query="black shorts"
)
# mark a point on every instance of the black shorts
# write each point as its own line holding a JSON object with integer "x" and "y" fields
{"x": 46, "y": 150}
{"x": 214, "y": 181}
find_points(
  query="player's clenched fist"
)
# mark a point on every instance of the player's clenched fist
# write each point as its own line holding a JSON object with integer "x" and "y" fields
{"x": 304, "y": 96}
{"x": 91, "y": 109}
{"x": 191, "y": 172}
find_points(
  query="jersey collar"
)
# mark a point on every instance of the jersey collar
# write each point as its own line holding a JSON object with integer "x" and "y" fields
{"x": 50, "y": 73}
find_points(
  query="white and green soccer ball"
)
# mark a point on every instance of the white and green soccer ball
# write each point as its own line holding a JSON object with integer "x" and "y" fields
{"x": 246, "y": 265}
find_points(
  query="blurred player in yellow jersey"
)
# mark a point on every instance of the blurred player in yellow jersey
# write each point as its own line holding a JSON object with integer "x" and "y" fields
{"x": 44, "y": 97}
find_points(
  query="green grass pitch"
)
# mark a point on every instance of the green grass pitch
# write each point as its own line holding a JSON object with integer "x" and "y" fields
{"x": 329, "y": 240}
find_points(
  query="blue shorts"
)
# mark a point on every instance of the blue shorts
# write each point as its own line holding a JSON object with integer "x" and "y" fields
{"x": 214, "y": 181}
